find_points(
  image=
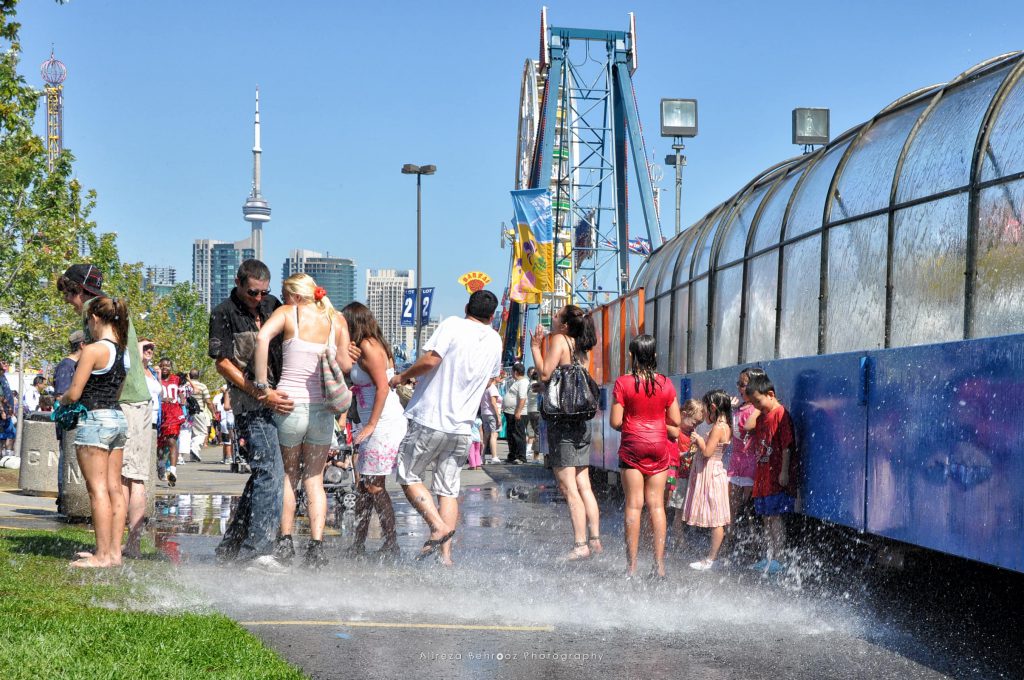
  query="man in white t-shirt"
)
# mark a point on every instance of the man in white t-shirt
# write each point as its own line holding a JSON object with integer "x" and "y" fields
{"x": 455, "y": 367}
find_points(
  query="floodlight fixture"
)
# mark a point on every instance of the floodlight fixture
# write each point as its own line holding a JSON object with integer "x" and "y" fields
{"x": 810, "y": 126}
{"x": 678, "y": 117}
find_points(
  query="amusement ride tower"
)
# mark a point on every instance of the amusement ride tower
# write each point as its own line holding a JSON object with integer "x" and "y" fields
{"x": 256, "y": 210}
{"x": 54, "y": 72}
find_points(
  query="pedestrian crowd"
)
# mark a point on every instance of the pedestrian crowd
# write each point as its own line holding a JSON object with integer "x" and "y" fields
{"x": 698, "y": 464}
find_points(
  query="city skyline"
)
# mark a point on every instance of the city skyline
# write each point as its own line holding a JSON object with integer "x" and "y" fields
{"x": 333, "y": 168}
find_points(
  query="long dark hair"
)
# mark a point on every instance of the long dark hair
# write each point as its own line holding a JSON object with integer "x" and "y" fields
{"x": 114, "y": 313}
{"x": 644, "y": 363}
{"x": 362, "y": 325}
{"x": 719, "y": 403}
{"x": 579, "y": 325}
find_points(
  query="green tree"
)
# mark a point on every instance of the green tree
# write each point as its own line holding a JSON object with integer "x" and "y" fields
{"x": 44, "y": 220}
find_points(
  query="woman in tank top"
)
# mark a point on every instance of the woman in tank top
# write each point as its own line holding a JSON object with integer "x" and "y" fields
{"x": 101, "y": 433}
{"x": 310, "y": 324}
{"x": 381, "y": 428}
{"x": 572, "y": 337}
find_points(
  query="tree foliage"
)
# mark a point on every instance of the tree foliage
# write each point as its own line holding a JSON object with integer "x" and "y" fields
{"x": 44, "y": 226}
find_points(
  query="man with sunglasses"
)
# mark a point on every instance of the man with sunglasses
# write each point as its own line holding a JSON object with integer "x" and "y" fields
{"x": 234, "y": 325}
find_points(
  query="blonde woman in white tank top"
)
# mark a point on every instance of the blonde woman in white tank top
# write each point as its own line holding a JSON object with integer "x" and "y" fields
{"x": 310, "y": 324}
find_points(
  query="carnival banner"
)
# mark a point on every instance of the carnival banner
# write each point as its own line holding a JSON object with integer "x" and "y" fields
{"x": 533, "y": 269}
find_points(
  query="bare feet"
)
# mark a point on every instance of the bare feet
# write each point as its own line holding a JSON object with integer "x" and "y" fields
{"x": 90, "y": 562}
{"x": 594, "y": 543}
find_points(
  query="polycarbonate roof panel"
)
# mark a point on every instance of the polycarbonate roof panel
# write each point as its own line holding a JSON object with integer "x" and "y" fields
{"x": 939, "y": 157}
{"x": 809, "y": 205}
{"x": 735, "y": 243}
{"x": 682, "y": 273}
{"x": 665, "y": 273}
{"x": 769, "y": 224}
{"x": 1005, "y": 153}
{"x": 704, "y": 256}
{"x": 866, "y": 180}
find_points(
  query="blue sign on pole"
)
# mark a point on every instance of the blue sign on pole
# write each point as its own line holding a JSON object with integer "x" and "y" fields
{"x": 409, "y": 306}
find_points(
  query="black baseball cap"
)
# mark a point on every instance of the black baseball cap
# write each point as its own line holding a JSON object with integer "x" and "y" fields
{"x": 89, "y": 277}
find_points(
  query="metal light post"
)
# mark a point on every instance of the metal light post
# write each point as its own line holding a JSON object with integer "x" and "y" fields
{"x": 678, "y": 120}
{"x": 419, "y": 171}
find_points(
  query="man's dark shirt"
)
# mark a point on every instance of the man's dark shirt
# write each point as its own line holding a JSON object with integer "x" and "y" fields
{"x": 63, "y": 375}
{"x": 233, "y": 336}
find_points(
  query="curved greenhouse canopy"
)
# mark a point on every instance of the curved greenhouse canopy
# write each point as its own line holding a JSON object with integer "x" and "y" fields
{"x": 904, "y": 230}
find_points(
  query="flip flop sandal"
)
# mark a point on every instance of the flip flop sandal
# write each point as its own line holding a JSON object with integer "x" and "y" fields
{"x": 433, "y": 545}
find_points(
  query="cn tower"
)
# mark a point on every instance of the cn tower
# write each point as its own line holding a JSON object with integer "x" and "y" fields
{"x": 256, "y": 210}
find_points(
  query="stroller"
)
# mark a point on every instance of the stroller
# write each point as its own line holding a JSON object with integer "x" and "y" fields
{"x": 339, "y": 484}
{"x": 239, "y": 453}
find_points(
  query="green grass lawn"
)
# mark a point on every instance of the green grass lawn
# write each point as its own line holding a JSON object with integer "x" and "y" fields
{"x": 58, "y": 623}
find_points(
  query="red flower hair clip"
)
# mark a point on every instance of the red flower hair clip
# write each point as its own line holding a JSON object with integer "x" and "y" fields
{"x": 319, "y": 293}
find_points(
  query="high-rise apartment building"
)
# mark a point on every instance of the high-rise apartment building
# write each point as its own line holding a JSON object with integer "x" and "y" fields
{"x": 214, "y": 265}
{"x": 336, "y": 274}
{"x": 160, "y": 279}
{"x": 385, "y": 289}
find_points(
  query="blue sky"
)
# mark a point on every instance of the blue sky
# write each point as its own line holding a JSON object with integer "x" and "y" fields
{"x": 159, "y": 102}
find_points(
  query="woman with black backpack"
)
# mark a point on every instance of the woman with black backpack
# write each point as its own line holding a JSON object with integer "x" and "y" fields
{"x": 568, "y": 426}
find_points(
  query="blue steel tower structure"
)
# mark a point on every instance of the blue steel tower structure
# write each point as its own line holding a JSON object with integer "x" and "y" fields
{"x": 588, "y": 130}
{"x": 256, "y": 209}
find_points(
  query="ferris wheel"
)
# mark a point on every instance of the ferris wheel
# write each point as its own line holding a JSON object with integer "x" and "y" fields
{"x": 529, "y": 122}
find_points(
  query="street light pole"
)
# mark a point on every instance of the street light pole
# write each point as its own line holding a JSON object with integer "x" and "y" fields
{"x": 419, "y": 171}
{"x": 419, "y": 263}
{"x": 680, "y": 162}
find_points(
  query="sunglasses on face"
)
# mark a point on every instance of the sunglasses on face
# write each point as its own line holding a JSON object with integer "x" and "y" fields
{"x": 147, "y": 348}
{"x": 253, "y": 293}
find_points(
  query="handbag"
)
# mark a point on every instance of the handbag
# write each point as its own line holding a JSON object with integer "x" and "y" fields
{"x": 337, "y": 395}
{"x": 571, "y": 394}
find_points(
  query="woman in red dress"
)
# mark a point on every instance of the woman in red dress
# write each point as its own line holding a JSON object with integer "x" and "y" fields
{"x": 645, "y": 411}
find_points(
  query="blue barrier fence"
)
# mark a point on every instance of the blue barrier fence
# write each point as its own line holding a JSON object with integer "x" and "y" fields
{"x": 923, "y": 445}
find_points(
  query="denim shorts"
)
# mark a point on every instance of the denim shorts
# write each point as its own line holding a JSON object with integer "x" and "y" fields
{"x": 311, "y": 424}
{"x": 105, "y": 428}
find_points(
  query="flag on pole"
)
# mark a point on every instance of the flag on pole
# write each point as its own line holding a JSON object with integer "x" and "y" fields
{"x": 533, "y": 270}
{"x": 640, "y": 246}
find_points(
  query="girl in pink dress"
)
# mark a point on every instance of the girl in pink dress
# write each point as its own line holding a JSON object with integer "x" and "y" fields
{"x": 707, "y": 498}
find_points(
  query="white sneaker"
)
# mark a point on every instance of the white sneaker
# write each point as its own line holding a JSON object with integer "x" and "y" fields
{"x": 702, "y": 565}
{"x": 267, "y": 564}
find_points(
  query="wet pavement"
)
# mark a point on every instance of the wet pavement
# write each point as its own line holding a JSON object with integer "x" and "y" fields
{"x": 510, "y": 608}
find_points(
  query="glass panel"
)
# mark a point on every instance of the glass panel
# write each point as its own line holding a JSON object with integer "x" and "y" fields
{"x": 762, "y": 287}
{"x": 597, "y": 353}
{"x": 679, "y": 328}
{"x": 770, "y": 224}
{"x": 809, "y": 206}
{"x": 999, "y": 292}
{"x": 665, "y": 273}
{"x": 866, "y": 182}
{"x": 801, "y": 285}
{"x": 855, "y": 319}
{"x": 648, "y": 317}
{"x": 939, "y": 158}
{"x": 661, "y": 338}
{"x": 704, "y": 257}
{"x": 699, "y": 327}
{"x": 735, "y": 243}
{"x": 929, "y": 261}
{"x": 1005, "y": 153}
{"x": 726, "y": 343}
{"x": 614, "y": 344}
